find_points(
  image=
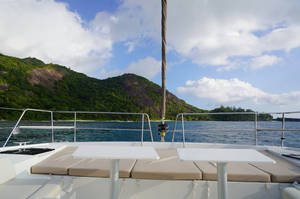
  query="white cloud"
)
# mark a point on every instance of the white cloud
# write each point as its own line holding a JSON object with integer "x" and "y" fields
{"x": 47, "y": 30}
{"x": 283, "y": 38}
{"x": 209, "y": 32}
{"x": 265, "y": 60}
{"x": 131, "y": 45}
{"x": 133, "y": 19}
{"x": 106, "y": 74}
{"x": 148, "y": 67}
{"x": 234, "y": 90}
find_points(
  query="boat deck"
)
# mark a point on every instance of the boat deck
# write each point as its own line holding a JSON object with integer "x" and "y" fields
{"x": 169, "y": 167}
{"x": 54, "y": 172}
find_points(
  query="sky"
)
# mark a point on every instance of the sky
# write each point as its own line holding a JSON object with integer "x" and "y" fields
{"x": 232, "y": 53}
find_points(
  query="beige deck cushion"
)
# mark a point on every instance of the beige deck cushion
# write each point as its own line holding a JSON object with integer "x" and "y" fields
{"x": 168, "y": 167}
{"x": 237, "y": 172}
{"x": 58, "y": 163}
{"x": 100, "y": 168}
{"x": 281, "y": 171}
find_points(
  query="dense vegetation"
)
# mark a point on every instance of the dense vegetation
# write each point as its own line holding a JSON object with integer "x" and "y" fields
{"x": 230, "y": 114}
{"x": 246, "y": 114}
{"x": 31, "y": 83}
{"x": 287, "y": 119}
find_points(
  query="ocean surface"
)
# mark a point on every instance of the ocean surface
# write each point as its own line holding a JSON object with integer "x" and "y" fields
{"x": 195, "y": 131}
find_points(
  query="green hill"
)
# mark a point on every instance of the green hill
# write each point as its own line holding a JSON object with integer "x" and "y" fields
{"x": 31, "y": 83}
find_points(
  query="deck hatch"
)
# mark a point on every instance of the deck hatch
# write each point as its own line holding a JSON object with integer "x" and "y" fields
{"x": 27, "y": 151}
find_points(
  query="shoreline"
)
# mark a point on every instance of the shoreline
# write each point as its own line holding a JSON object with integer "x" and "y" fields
{"x": 86, "y": 121}
{"x": 146, "y": 121}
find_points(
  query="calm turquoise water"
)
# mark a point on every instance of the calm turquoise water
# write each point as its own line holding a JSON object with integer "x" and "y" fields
{"x": 204, "y": 131}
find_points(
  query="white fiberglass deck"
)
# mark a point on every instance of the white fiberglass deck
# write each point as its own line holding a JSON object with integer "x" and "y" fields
{"x": 73, "y": 187}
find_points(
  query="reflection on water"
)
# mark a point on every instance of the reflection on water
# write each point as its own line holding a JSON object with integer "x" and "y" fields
{"x": 200, "y": 131}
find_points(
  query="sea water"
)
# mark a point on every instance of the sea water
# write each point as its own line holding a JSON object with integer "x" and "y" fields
{"x": 195, "y": 131}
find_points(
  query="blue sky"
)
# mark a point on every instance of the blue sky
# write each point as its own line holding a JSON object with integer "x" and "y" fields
{"x": 88, "y": 9}
{"x": 238, "y": 53}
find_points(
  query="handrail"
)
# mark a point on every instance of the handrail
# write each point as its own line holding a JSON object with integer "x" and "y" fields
{"x": 143, "y": 115}
{"x": 20, "y": 118}
{"x": 256, "y": 129}
{"x": 280, "y": 130}
{"x": 77, "y": 128}
{"x": 194, "y": 114}
{"x": 99, "y": 112}
{"x": 220, "y": 113}
{"x": 52, "y": 127}
{"x": 146, "y": 116}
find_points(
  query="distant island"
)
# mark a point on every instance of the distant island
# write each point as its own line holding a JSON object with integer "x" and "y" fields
{"x": 287, "y": 119}
{"x": 232, "y": 117}
{"x": 30, "y": 83}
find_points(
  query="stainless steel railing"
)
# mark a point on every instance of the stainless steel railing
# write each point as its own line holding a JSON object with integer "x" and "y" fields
{"x": 20, "y": 118}
{"x": 74, "y": 127}
{"x": 255, "y": 120}
{"x": 144, "y": 116}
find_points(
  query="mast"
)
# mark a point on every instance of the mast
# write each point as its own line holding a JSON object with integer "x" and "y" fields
{"x": 163, "y": 127}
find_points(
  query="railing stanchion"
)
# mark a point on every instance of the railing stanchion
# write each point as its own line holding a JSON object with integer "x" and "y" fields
{"x": 149, "y": 124}
{"x": 75, "y": 126}
{"x": 175, "y": 126}
{"x": 142, "y": 138}
{"x": 282, "y": 132}
{"x": 183, "y": 135}
{"x": 52, "y": 130}
{"x": 255, "y": 126}
{"x": 19, "y": 120}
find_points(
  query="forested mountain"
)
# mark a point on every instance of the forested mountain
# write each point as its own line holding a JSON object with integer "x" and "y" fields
{"x": 31, "y": 83}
